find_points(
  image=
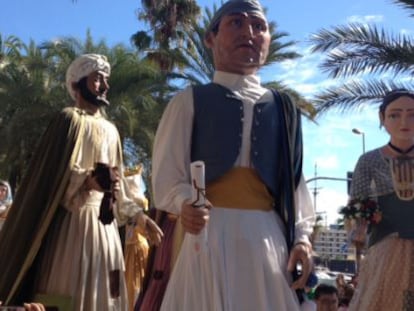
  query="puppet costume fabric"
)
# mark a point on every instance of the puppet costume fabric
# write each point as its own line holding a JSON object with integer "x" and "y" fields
{"x": 386, "y": 276}
{"x": 136, "y": 245}
{"x": 245, "y": 264}
{"x": 55, "y": 243}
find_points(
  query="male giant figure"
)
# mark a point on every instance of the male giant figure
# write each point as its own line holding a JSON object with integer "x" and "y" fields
{"x": 61, "y": 242}
{"x": 259, "y": 213}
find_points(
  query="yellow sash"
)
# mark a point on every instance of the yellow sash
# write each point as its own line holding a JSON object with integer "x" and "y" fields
{"x": 242, "y": 188}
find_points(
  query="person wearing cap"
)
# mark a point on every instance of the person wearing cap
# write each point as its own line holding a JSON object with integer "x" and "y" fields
{"x": 258, "y": 214}
{"x": 386, "y": 176}
{"x": 61, "y": 244}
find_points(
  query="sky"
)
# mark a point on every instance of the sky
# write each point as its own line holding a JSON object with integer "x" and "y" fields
{"x": 331, "y": 148}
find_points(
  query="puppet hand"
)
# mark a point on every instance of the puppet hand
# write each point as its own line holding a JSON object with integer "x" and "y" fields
{"x": 33, "y": 306}
{"x": 149, "y": 228}
{"x": 301, "y": 253}
{"x": 194, "y": 219}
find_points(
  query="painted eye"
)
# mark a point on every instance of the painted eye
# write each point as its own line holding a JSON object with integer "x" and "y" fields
{"x": 393, "y": 116}
{"x": 236, "y": 22}
{"x": 260, "y": 26}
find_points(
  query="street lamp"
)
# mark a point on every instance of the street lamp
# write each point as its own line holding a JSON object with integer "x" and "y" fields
{"x": 359, "y": 132}
{"x": 358, "y": 248}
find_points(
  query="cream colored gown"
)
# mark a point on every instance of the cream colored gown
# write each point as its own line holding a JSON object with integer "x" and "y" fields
{"x": 83, "y": 258}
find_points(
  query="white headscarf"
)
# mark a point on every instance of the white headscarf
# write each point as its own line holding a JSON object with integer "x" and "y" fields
{"x": 9, "y": 198}
{"x": 83, "y": 66}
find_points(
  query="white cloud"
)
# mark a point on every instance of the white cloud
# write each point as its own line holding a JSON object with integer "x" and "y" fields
{"x": 303, "y": 74}
{"x": 366, "y": 19}
{"x": 328, "y": 202}
{"x": 327, "y": 162}
{"x": 305, "y": 89}
{"x": 331, "y": 149}
{"x": 406, "y": 32}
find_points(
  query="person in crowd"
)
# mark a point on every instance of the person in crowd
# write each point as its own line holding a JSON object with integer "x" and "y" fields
{"x": 386, "y": 175}
{"x": 61, "y": 235}
{"x": 326, "y": 297}
{"x": 160, "y": 261}
{"x": 340, "y": 284}
{"x": 6, "y": 200}
{"x": 308, "y": 303}
{"x": 258, "y": 213}
{"x": 354, "y": 280}
{"x": 346, "y": 296}
{"x": 136, "y": 245}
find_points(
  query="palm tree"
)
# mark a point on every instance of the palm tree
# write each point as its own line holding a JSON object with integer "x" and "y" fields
{"x": 32, "y": 90}
{"x": 408, "y": 4}
{"x": 371, "y": 60}
{"x": 135, "y": 85}
{"x": 27, "y": 101}
{"x": 10, "y": 48}
{"x": 197, "y": 60}
{"x": 316, "y": 228}
{"x": 166, "y": 18}
{"x": 136, "y": 107}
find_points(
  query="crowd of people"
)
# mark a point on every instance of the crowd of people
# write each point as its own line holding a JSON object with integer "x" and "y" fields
{"x": 325, "y": 296}
{"x": 61, "y": 234}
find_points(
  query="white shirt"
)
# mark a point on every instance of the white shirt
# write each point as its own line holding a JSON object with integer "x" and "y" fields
{"x": 172, "y": 149}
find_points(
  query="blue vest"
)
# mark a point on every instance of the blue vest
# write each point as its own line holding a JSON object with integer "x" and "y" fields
{"x": 217, "y": 134}
{"x": 397, "y": 216}
{"x": 276, "y": 145}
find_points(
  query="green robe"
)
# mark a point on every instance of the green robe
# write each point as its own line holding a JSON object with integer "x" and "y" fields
{"x": 36, "y": 203}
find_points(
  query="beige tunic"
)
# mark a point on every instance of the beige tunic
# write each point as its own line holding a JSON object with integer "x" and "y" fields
{"x": 82, "y": 256}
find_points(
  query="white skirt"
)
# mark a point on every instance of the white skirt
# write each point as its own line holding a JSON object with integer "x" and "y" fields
{"x": 244, "y": 266}
{"x": 385, "y": 281}
{"x": 79, "y": 260}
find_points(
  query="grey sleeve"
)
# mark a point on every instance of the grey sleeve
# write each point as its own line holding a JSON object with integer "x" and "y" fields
{"x": 361, "y": 178}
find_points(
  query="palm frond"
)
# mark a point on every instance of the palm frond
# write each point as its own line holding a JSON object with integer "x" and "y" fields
{"x": 356, "y": 94}
{"x": 406, "y": 4}
{"x": 357, "y": 49}
{"x": 306, "y": 107}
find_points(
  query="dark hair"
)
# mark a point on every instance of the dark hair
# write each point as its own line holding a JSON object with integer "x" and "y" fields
{"x": 347, "y": 295}
{"x": 392, "y": 96}
{"x": 323, "y": 289}
{"x": 215, "y": 29}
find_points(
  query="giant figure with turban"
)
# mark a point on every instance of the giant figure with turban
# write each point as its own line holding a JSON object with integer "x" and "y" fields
{"x": 61, "y": 236}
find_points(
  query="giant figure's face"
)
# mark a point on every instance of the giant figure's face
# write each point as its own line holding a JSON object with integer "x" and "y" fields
{"x": 94, "y": 88}
{"x": 398, "y": 119}
{"x": 241, "y": 44}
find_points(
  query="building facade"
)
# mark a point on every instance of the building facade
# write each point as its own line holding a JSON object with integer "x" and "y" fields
{"x": 331, "y": 243}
